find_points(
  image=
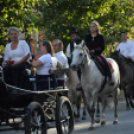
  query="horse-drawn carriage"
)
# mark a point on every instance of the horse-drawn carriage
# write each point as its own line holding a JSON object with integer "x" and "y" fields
{"x": 31, "y": 110}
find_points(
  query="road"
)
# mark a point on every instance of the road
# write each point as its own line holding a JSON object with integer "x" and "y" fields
{"x": 125, "y": 125}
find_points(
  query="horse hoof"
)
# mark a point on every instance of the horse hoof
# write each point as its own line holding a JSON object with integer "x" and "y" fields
{"x": 115, "y": 122}
{"x": 103, "y": 123}
{"x": 91, "y": 128}
{"x": 83, "y": 118}
{"x": 97, "y": 121}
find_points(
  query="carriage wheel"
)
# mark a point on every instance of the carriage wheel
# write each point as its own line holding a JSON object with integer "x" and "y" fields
{"x": 64, "y": 116}
{"x": 35, "y": 122}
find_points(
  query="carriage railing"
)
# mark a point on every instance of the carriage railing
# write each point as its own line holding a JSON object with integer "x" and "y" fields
{"x": 19, "y": 91}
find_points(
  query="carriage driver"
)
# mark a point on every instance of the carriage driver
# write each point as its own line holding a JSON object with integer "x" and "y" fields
{"x": 126, "y": 47}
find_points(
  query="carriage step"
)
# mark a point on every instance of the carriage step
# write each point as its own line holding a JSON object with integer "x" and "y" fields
{"x": 18, "y": 109}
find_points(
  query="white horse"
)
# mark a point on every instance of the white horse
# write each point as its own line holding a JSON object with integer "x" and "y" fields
{"x": 92, "y": 80}
{"x": 72, "y": 83}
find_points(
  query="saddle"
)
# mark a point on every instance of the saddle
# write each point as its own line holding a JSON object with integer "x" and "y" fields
{"x": 101, "y": 65}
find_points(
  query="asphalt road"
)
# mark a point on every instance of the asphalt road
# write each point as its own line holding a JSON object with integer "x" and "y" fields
{"x": 125, "y": 125}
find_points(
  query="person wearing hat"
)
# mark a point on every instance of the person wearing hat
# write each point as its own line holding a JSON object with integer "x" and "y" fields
{"x": 126, "y": 47}
{"x": 96, "y": 44}
{"x": 74, "y": 35}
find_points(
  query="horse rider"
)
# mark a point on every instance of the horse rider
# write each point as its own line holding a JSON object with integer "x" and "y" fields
{"x": 74, "y": 35}
{"x": 126, "y": 47}
{"x": 58, "y": 48}
{"x": 96, "y": 44}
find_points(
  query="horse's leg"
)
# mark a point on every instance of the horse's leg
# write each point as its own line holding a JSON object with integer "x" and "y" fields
{"x": 71, "y": 96}
{"x": 97, "y": 117}
{"x": 91, "y": 110}
{"x": 116, "y": 92}
{"x": 130, "y": 87}
{"x": 98, "y": 107}
{"x": 78, "y": 105}
{"x": 84, "y": 108}
{"x": 104, "y": 103}
{"x": 126, "y": 97}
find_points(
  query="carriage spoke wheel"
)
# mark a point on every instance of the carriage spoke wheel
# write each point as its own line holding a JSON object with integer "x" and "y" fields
{"x": 64, "y": 116}
{"x": 35, "y": 122}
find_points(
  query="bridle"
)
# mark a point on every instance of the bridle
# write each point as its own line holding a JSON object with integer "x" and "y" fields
{"x": 82, "y": 62}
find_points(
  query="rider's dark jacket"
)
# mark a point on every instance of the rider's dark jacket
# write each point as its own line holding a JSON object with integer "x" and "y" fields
{"x": 98, "y": 44}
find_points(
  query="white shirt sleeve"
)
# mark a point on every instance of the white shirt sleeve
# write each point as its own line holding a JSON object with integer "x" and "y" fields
{"x": 66, "y": 63}
{"x": 68, "y": 51}
{"x": 131, "y": 47}
{"x": 44, "y": 59}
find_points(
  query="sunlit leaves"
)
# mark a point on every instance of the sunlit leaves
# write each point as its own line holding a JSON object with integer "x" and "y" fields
{"x": 113, "y": 16}
{"x": 17, "y": 13}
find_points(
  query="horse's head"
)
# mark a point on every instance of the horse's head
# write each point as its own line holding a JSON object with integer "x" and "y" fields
{"x": 120, "y": 59}
{"x": 116, "y": 56}
{"x": 78, "y": 55}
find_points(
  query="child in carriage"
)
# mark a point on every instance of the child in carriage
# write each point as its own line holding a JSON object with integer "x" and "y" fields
{"x": 44, "y": 63}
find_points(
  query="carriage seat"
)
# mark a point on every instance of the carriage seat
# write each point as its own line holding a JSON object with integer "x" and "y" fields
{"x": 42, "y": 82}
{"x": 51, "y": 80}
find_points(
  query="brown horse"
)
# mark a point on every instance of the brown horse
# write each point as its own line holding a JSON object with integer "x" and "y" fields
{"x": 126, "y": 75}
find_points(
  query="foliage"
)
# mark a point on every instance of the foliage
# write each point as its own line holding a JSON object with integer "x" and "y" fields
{"x": 60, "y": 15}
{"x": 17, "y": 13}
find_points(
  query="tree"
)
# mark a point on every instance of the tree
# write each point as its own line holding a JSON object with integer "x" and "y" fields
{"x": 17, "y": 13}
{"x": 60, "y": 15}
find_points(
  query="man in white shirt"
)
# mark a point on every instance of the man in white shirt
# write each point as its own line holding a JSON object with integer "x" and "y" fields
{"x": 74, "y": 35}
{"x": 126, "y": 47}
{"x": 58, "y": 48}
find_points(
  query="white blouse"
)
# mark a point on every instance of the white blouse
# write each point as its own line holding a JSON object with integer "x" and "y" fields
{"x": 17, "y": 54}
{"x": 48, "y": 63}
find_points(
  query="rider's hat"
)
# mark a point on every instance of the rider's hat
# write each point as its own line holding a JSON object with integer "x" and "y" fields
{"x": 73, "y": 30}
